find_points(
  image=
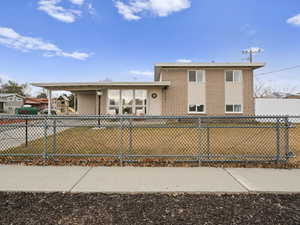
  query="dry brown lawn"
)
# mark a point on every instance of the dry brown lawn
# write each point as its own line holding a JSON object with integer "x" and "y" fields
{"x": 215, "y": 143}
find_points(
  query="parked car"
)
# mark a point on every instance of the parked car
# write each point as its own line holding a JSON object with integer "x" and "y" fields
{"x": 27, "y": 111}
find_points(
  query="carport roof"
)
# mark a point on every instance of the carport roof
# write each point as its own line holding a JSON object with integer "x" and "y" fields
{"x": 98, "y": 85}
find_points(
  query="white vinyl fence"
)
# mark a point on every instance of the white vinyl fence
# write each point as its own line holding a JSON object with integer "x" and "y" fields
{"x": 278, "y": 107}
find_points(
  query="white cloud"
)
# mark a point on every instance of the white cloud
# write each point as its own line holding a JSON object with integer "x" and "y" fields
{"x": 184, "y": 60}
{"x": 143, "y": 73}
{"x": 11, "y": 39}
{"x": 77, "y": 2}
{"x": 60, "y": 13}
{"x": 294, "y": 20}
{"x": 134, "y": 9}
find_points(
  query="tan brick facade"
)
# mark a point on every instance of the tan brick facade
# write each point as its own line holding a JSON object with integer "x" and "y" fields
{"x": 175, "y": 97}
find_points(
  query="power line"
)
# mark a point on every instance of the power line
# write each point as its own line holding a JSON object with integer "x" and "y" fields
{"x": 277, "y": 71}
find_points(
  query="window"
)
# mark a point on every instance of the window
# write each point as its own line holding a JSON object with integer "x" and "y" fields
{"x": 10, "y": 99}
{"x": 140, "y": 102}
{"x": 192, "y": 76}
{"x": 233, "y": 76}
{"x": 114, "y": 102}
{"x": 127, "y": 102}
{"x": 196, "y": 76}
{"x": 194, "y": 108}
{"x": 233, "y": 108}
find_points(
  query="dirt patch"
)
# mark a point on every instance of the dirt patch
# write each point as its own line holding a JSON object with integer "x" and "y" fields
{"x": 85, "y": 209}
{"x": 142, "y": 163}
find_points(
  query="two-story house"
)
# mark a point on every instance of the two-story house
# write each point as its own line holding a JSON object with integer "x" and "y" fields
{"x": 177, "y": 89}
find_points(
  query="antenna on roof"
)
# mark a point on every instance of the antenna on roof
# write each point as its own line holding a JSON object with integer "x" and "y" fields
{"x": 251, "y": 52}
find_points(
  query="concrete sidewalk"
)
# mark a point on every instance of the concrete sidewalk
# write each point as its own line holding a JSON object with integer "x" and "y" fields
{"x": 132, "y": 180}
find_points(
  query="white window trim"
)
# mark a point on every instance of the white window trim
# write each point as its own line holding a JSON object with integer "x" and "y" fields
{"x": 234, "y": 82}
{"x": 189, "y": 112}
{"x": 204, "y": 77}
{"x": 241, "y": 112}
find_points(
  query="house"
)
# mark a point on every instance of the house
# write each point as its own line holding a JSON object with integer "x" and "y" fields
{"x": 177, "y": 89}
{"x": 61, "y": 104}
{"x": 10, "y": 102}
{"x": 39, "y": 103}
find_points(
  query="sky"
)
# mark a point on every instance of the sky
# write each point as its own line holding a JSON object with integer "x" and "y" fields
{"x": 121, "y": 40}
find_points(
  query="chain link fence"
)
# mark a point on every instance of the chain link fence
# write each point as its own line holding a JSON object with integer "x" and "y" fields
{"x": 149, "y": 138}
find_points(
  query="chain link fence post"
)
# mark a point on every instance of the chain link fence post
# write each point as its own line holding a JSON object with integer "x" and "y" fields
{"x": 54, "y": 140}
{"x": 199, "y": 141}
{"x": 130, "y": 135}
{"x": 45, "y": 139}
{"x": 286, "y": 137}
{"x": 208, "y": 142}
{"x": 277, "y": 140}
{"x": 121, "y": 141}
{"x": 26, "y": 132}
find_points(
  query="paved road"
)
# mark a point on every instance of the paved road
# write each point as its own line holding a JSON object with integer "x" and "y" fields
{"x": 15, "y": 136}
{"x": 131, "y": 180}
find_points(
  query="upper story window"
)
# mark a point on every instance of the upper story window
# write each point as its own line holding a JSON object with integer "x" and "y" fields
{"x": 234, "y": 76}
{"x": 196, "y": 108}
{"x": 197, "y": 76}
{"x": 233, "y": 108}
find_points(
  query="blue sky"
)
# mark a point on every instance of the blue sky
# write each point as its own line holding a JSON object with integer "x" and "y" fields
{"x": 91, "y": 40}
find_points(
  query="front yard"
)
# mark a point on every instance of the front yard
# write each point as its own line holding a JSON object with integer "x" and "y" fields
{"x": 184, "y": 143}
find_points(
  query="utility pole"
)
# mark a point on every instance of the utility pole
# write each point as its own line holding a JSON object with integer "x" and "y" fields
{"x": 251, "y": 52}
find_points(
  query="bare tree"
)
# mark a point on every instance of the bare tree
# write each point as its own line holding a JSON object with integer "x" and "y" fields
{"x": 263, "y": 89}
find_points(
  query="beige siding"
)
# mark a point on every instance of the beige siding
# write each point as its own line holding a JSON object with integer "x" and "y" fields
{"x": 175, "y": 97}
{"x": 248, "y": 92}
{"x": 154, "y": 105}
{"x": 215, "y": 92}
{"x": 86, "y": 104}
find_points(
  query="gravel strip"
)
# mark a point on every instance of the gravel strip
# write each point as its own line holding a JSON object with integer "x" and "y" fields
{"x": 183, "y": 209}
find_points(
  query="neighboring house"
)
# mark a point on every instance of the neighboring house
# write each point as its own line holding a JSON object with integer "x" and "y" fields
{"x": 10, "y": 102}
{"x": 39, "y": 103}
{"x": 61, "y": 104}
{"x": 177, "y": 89}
